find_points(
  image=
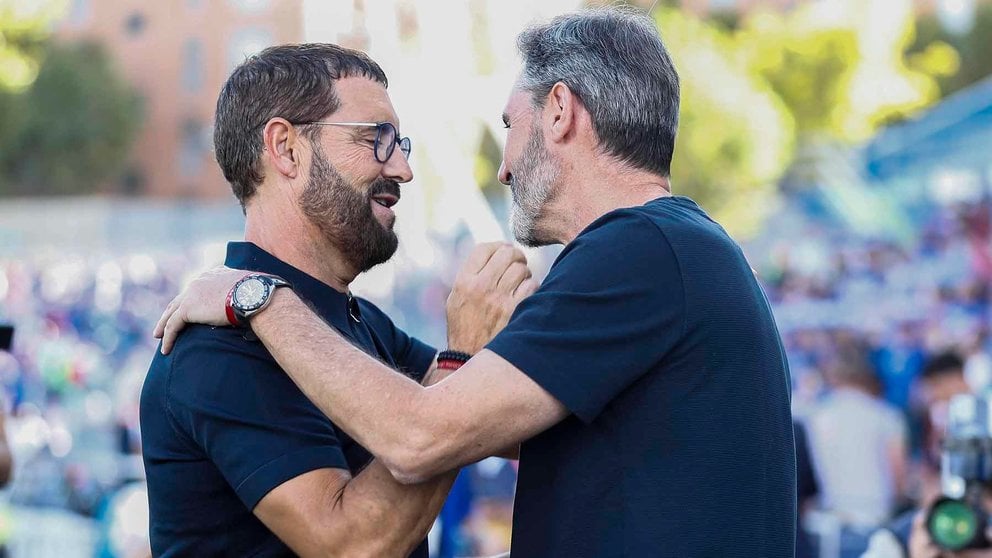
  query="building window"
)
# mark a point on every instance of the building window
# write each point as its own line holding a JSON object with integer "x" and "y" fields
{"x": 192, "y": 69}
{"x": 193, "y": 148}
{"x": 135, "y": 24}
{"x": 246, "y": 42}
{"x": 133, "y": 182}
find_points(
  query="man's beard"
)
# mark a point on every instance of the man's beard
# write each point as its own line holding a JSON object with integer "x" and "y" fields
{"x": 531, "y": 187}
{"x": 344, "y": 215}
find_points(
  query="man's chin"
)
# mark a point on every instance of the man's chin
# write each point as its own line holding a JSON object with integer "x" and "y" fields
{"x": 534, "y": 241}
{"x": 382, "y": 257}
{"x": 532, "y": 238}
{"x": 388, "y": 225}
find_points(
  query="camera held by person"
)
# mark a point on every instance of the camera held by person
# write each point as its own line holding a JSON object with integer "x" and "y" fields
{"x": 959, "y": 519}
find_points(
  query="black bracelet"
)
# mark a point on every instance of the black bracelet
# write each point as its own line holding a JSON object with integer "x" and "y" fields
{"x": 453, "y": 355}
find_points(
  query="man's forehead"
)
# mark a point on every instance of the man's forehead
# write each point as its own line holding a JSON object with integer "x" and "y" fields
{"x": 518, "y": 99}
{"x": 365, "y": 100}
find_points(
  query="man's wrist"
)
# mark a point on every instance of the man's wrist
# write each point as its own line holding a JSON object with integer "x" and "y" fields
{"x": 464, "y": 345}
{"x": 278, "y": 299}
{"x": 452, "y": 360}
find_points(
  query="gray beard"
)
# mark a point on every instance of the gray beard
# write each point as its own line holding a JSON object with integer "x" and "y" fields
{"x": 531, "y": 188}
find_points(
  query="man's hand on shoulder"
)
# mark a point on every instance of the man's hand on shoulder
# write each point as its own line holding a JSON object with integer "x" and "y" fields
{"x": 202, "y": 302}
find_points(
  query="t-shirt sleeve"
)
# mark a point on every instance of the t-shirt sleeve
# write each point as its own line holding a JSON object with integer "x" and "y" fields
{"x": 612, "y": 306}
{"x": 248, "y": 417}
{"x": 412, "y": 356}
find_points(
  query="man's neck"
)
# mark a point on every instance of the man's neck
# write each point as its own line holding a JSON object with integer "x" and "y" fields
{"x": 594, "y": 194}
{"x": 289, "y": 236}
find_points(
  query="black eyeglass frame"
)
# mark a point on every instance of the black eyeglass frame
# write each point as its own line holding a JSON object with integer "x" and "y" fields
{"x": 381, "y": 127}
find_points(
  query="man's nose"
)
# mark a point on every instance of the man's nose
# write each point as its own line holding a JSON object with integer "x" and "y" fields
{"x": 397, "y": 168}
{"x": 504, "y": 175}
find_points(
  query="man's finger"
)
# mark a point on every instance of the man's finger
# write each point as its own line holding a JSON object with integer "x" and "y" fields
{"x": 480, "y": 256}
{"x": 525, "y": 289}
{"x": 160, "y": 325}
{"x": 175, "y": 324}
{"x": 499, "y": 262}
{"x": 514, "y": 275}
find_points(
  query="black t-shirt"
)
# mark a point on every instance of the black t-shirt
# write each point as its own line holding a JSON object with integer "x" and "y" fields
{"x": 222, "y": 424}
{"x": 653, "y": 331}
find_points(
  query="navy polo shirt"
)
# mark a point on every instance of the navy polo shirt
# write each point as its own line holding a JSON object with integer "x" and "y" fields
{"x": 222, "y": 424}
{"x": 652, "y": 330}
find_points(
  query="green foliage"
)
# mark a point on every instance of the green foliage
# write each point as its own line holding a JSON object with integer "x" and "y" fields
{"x": 735, "y": 135}
{"x": 23, "y": 32}
{"x": 843, "y": 74}
{"x": 810, "y": 71}
{"x": 755, "y": 91}
{"x": 932, "y": 40}
{"x": 71, "y": 130}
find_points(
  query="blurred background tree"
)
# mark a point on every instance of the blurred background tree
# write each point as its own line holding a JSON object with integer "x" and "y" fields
{"x": 23, "y": 32}
{"x": 766, "y": 89}
{"x": 972, "y": 43}
{"x": 735, "y": 134}
{"x": 69, "y": 119}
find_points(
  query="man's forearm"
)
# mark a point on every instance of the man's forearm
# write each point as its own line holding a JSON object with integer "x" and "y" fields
{"x": 435, "y": 375}
{"x": 327, "y": 512}
{"x": 377, "y": 499}
{"x": 374, "y": 499}
{"x": 372, "y": 403}
{"x": 417, "y": 432}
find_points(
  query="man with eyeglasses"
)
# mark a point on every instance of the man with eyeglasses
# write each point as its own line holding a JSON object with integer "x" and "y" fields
{"x": 644, "y": 381}
{"x": 239, "y": 462}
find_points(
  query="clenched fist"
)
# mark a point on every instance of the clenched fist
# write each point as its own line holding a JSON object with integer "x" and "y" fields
{"x": 487, "y": 289}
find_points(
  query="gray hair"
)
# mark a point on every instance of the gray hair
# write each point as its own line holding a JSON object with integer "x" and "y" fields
{"x": 615, "y": 62}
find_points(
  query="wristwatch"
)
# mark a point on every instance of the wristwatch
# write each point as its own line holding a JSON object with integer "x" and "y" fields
{"x": 250, "y": 296}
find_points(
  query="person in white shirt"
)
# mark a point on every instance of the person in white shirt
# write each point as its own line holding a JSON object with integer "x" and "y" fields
{"x": 859, "y": 445}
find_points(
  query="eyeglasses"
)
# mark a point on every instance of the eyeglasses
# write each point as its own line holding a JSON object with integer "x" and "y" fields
{"x": 386, "y": 138}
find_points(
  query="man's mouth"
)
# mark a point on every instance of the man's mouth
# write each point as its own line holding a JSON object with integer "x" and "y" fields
{"x": 386, "y": 200}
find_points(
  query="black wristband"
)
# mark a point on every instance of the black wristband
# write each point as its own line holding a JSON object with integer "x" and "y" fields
{"x": 453, "y": 355}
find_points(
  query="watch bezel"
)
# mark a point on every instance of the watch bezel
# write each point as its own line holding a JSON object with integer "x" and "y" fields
{"x": 239, "y": 313}
{"x": 267, "y": 284}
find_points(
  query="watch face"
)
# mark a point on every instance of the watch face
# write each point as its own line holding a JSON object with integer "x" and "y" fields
{"x": 250, "y": 294}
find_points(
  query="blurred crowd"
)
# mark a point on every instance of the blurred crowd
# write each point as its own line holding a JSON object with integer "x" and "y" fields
{"x": 879, "y": 335}
{"x": 71, "y": 384}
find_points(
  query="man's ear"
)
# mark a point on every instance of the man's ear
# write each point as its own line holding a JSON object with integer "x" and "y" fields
{"x": 282, "y": 146}
{"x": 560, "y": 112}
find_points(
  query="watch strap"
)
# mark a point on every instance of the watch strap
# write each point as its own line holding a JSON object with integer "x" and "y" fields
{"x": 232, "y": 316}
